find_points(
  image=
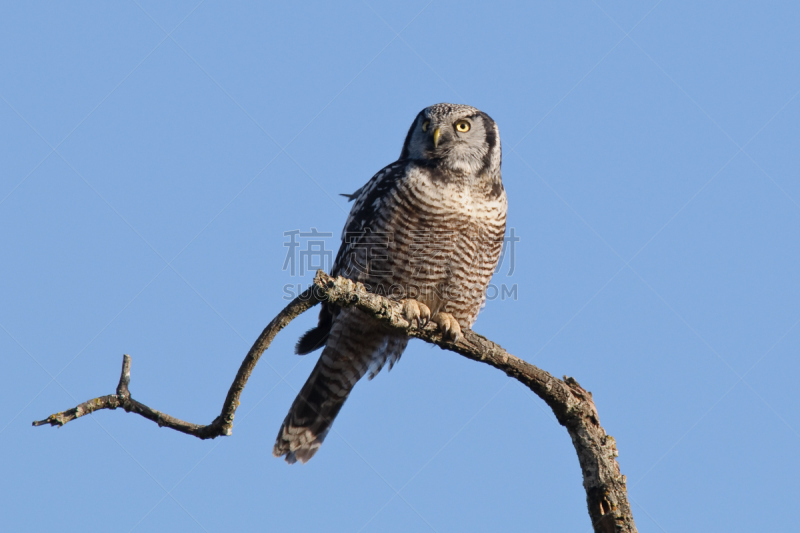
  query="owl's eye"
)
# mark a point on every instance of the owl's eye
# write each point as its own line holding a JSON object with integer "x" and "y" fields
{"x": 425, "y": 125}
{"x": 462, "y": 126}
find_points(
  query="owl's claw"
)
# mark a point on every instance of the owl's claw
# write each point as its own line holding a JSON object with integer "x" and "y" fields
{"x": 449, "y": 326}
{"x": 418, "y": 312}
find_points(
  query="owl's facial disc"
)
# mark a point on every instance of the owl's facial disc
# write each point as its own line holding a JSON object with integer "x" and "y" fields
{"x": 458, "y": 138}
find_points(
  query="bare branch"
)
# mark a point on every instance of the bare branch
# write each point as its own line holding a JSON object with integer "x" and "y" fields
{"x": 606, "y": 492}
{"x": 223, "y": 424}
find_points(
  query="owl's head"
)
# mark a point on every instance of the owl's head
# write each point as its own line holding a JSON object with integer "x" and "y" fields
{"x": 457, "y": 137}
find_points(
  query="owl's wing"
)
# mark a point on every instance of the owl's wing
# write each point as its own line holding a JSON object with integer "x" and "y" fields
{"x": 354, "y": 344}
{"x": 361, "y": 225}
{"x": 357, "y": 237}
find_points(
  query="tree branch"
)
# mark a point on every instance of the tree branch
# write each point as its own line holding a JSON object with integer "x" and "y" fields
{"x": 573, "y": 406}
{"x": 223, "y": 424}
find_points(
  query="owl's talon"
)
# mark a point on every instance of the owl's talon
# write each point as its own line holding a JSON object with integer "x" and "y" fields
{"x": 414, "y": 311}
{"x": 449, "y": 326}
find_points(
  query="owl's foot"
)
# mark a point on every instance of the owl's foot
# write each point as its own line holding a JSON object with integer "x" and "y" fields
{"x": 416, "y": 311}
{"x": 451, "y": 330}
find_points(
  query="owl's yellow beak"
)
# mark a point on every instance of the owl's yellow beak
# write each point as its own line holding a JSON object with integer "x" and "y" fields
{"x": 436, "y": 134}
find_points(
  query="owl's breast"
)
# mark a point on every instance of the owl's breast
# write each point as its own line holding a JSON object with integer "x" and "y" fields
{"x": 446, "y": 240}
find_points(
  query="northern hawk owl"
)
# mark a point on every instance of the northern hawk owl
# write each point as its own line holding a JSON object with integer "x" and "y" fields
{"x": 426, "y": 230}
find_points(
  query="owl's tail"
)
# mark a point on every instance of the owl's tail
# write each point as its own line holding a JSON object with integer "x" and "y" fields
{"x": 354, "y": 347}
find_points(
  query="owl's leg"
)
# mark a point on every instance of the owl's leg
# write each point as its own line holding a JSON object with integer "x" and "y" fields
{"x": 448, "y": 325}
{"x": 414, "y": 310}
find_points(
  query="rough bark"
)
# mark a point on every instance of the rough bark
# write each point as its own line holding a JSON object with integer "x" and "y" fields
{"x": 573, "y": 406}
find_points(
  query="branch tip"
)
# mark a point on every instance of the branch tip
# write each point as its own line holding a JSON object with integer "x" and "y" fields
{"x": 125, "y": 377}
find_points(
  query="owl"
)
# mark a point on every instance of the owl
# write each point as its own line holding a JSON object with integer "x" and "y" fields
{"x": 427, "y": 230}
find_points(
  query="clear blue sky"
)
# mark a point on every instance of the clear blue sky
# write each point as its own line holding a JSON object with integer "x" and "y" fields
{"x": 154, "y": 155}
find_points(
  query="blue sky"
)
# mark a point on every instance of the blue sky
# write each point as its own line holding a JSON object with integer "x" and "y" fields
{"x": 154, "y": 155}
